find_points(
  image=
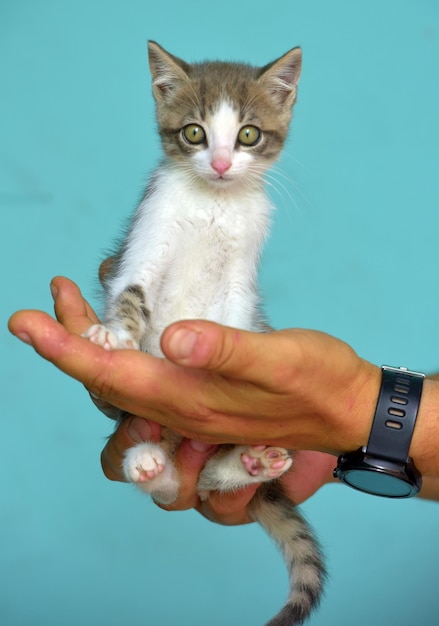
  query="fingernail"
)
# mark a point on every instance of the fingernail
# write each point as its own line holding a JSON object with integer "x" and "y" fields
{"x": 182, "y": 343}
{"x": 24, "y": 337}
{"x": 53, "y": 291}
{"x": 200, "y": 446}
{"x": 139, "y": 430}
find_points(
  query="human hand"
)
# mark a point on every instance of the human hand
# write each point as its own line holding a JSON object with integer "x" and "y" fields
{"x": 310, "y": 471}
{"x": 76, "y": 315}
{"x": 294, "y": 388}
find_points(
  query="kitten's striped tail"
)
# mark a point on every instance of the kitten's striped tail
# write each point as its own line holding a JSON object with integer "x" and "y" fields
{"x": 301, "y": 551}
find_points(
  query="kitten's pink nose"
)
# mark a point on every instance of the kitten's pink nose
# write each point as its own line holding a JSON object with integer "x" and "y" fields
{"x": 221, "y": 165}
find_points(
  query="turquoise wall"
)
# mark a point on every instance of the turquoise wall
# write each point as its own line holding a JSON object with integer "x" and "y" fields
{"x": 353, "y": 252}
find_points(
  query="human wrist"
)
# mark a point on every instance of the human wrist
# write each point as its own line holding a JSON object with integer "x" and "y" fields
{"x": 424, "y": 444}
{"x": 423, "y": 447}
{"x": 360, "y": 403}
{"x": 402, "y": 444}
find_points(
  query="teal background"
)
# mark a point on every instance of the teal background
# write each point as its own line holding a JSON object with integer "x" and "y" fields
{"x": 353, "y": 252}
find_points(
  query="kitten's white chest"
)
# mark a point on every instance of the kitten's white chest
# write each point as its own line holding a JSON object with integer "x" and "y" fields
{"x": 195, "y": 254}
{"x": 201, "y": 270}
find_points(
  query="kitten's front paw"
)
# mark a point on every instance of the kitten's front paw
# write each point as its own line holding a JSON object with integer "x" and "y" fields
{"x": 108, "y": 339}
{"x": 266, "y": 462}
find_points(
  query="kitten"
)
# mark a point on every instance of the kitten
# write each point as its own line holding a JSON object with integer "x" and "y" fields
{"x": 192, "y": 251}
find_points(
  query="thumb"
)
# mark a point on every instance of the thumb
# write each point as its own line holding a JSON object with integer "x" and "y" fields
{"x": 228, "y": 351}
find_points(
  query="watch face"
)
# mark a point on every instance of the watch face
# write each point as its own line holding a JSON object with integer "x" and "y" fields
{"x": 375, "y": 482}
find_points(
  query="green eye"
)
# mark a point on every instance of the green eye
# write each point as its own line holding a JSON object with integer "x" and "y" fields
{"x": 194, "y": 134}
{"x": 249, "y": 136}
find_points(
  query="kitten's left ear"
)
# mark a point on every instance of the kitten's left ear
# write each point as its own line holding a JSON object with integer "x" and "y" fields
{"x": 281, "y": 77}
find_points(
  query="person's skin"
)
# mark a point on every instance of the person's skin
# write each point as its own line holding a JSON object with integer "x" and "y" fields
{"x": 228, "y": 386}
{"x": 294, "y": 388}
{"x": 311, "y": 471}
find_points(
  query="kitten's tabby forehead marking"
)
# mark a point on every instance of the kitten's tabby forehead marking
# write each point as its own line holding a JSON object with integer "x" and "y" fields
{"x": 193, "y": 93}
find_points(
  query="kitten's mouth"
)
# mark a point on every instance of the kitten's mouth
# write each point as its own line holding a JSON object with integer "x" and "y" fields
{"x": 218, "y": 180}
{"x": 221, "y": 179}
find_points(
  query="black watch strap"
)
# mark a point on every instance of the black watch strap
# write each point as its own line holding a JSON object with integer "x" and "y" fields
{"x": 395, "y": 414}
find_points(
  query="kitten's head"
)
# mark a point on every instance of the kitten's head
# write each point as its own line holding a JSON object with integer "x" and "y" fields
{"x": 223, "y": 122}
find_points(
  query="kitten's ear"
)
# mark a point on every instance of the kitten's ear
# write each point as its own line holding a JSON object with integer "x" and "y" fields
{"x": 281, "y": 77}
{"x": 167, "y": 71}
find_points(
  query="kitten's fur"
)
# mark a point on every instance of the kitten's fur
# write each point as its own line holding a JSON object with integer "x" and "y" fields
{"x": 193, "y": 252}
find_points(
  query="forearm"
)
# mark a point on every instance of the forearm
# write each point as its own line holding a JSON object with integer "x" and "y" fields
{"x": 430, "y": 488}
{"x": 425, "y": 441}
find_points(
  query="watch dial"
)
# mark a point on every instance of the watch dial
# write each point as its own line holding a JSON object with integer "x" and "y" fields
{"x": 377, "y": 483}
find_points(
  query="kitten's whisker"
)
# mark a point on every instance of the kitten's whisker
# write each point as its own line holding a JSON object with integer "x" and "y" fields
{"x": 278, "y": 173}
{"x": 298, "y": 189}
{"x": 291, "y": 157}
{"x": 284, "y": 204}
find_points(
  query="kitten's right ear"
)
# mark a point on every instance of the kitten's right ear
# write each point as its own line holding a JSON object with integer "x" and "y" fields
{"x": 167, "y": 71}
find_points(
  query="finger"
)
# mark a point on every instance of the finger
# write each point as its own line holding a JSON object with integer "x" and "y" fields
{"x": 227, "y": 351}
{"x": 131, "y": 380}
{"x": 229, "y": 509}
{"x": 190, "y": 459}
{"x": 131, "y": 430}
{"x": 75, "y": 355}
{"x": 311, "y": 470}
{"x": 71, "y": 309}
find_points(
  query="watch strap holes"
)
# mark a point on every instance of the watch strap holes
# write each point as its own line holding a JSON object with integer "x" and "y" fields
{"x": 393, "y": 425}
{"x": 401, "y": 387}
{"x": 396, "y": 412}
{"x": 395, "y": 415}
{"x": 399, "y": 400}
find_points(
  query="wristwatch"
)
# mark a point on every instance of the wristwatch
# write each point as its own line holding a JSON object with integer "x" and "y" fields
{"x": 383, "y": 467}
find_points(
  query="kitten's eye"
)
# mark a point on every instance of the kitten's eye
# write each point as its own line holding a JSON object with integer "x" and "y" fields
{"x": 194, "y": 134}
{"x": 249, "y": 136}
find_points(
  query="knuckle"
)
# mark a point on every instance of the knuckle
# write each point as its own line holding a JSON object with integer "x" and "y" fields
{"x": 226, "y": 350}
{"x": 100, "y": 387}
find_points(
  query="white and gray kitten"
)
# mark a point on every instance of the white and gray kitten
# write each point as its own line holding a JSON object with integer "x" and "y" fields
{"x": 193, "y": 251}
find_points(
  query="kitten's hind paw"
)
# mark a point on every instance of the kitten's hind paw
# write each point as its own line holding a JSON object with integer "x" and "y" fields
{"x": 266, "y": 462}
{"x": 148, "y": 466}
{"x": 108, "y": 339}
{"x": 144, "y": 462}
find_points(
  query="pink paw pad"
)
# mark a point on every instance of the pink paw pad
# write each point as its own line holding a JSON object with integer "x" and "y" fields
{"x": 144, "y": 462}
{"x": 144, "y": 475}
{"x": 102, "y": 336}
{"x": 266, "y": 462}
